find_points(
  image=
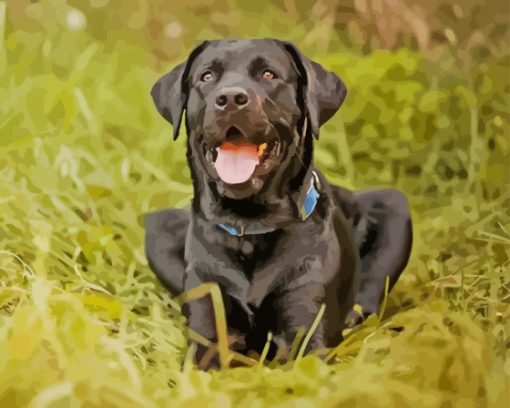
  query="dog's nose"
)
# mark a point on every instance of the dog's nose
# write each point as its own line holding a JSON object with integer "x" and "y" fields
{"x": 232, "y": 97}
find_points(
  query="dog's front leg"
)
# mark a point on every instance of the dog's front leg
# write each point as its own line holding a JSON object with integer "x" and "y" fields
{"x": 204, "y": 306}
{"x": 212, "y": 342}
{"x": 199, "y": 312}
{"x": 297, "y": 308}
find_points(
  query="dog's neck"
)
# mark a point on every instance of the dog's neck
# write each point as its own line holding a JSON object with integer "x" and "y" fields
{"x": 254, "y": 214}
{"x": 276, "y": 206}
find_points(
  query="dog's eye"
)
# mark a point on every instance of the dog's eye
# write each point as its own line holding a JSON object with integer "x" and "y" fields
{"x": 207, "y": 76}
{"x": 268, "y": 74}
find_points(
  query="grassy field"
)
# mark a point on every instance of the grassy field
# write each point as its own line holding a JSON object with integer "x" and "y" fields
{"x": 84, "y": 155}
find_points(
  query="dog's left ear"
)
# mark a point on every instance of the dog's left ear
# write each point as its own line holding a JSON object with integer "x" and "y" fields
{"x": 323, "y": 91}
{"x": 170, "y": 92}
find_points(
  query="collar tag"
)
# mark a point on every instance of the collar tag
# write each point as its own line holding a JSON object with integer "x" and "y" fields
{"x": 311, "y": 198}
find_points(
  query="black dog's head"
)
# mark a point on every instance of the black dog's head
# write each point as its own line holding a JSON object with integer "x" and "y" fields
{"x": 250, "y": 105}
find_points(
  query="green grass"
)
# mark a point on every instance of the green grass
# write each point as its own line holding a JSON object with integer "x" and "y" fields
{"x": 84, "y": 154}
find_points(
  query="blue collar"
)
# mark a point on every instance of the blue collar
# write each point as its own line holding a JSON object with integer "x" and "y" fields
{"x": 309, "y": 204}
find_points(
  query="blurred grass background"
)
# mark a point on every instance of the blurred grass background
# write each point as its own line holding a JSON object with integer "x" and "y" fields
{"x": 84, "y": 154}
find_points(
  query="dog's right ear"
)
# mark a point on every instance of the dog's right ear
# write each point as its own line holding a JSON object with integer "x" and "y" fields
{"x": 170, "y": 92}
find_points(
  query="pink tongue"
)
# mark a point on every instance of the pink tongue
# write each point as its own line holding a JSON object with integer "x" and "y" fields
{"x": 235, "y": 166}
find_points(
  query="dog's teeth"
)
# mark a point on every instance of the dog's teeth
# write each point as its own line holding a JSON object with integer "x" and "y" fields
{"x": 257, "y": 183}
{"x": 262, "y": 149}
{"x": 209, "y": 155}
{"x": 277, "y": 149}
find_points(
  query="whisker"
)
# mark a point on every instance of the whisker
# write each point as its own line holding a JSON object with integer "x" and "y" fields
{"x": 297, "y": 155}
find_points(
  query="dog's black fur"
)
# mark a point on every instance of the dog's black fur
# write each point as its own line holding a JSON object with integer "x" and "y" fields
{"x": 276, "y": 280}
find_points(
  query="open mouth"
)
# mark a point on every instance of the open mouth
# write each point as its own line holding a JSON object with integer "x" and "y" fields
{"x": 237, "y": 160}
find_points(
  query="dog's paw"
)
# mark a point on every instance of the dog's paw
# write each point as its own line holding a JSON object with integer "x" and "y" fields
{"x": 357, "y": 315}
{"x": 353, "y": 319}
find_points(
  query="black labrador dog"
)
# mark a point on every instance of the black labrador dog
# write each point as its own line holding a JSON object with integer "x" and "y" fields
{"x": 264, "y": 223}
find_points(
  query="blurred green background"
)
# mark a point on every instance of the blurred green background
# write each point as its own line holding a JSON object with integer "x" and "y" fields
{"x": 84, "y": 154}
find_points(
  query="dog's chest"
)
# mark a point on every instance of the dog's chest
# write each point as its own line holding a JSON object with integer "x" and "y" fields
{"x": 250, "y": 252}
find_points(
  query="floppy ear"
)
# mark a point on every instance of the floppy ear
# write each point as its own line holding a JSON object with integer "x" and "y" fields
{"x": 170, "y": 92}
{"x": 322, "y": 90}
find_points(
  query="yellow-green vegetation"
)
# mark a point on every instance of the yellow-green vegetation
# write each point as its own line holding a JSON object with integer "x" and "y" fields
{"x": 84, "y": 155}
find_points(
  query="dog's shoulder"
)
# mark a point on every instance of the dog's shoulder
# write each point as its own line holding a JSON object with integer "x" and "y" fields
{"x": 341, "y": 198}
{"x": 166, "y": 221}
{"x": 165, "y": 230}
{"x": 357, "y": 220}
